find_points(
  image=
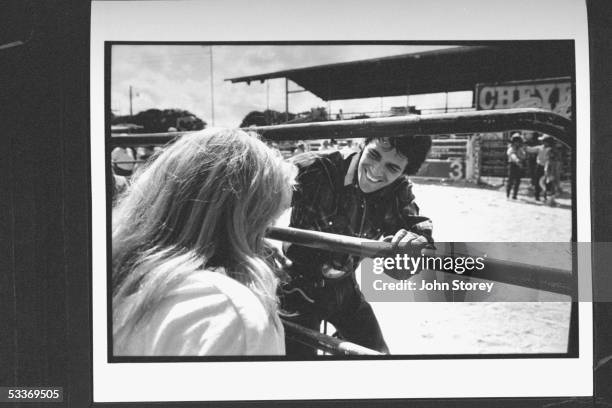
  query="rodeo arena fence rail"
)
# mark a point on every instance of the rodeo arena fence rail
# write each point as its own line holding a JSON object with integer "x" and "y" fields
{"x": 529, "y": 119}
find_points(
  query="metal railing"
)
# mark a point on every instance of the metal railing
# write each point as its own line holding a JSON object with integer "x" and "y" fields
{"x": 512, "y": 273}
{"x": 533, "y": 119}
{"x": 320, "y": 341}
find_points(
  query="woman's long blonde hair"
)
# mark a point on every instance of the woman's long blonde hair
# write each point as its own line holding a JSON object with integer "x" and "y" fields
{"x": 203, "y": 203}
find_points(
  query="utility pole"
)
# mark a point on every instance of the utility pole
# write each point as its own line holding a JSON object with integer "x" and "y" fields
{"x": 267, "y": 113}
{"x": 212, "y": 88}
{"x": 131, "y": 113}
{"x": 286, "y": 100}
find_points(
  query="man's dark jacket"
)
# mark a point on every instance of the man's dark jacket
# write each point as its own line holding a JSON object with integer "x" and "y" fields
{"x": 328, "y": 200}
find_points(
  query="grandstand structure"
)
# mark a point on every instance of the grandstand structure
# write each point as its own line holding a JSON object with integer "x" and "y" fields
{"x": 458, "y": 68}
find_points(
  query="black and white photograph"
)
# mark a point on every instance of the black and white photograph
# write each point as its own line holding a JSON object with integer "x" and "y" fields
{"x": 323, "y": 202}
{"x": 202, "y": 180}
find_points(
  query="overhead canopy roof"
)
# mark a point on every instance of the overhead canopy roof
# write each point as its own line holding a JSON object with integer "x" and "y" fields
{"x": 446, "y": 70}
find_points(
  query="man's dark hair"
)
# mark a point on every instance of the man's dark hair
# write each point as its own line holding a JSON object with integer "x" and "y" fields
{"x": 413, "y": 147}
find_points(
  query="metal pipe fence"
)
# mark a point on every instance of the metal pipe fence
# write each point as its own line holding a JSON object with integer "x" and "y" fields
{"x": 513, "y": 273}
{"x": 539, "y": 120}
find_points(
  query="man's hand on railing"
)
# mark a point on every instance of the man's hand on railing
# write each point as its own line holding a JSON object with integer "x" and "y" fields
{"x": 408, "y": 242}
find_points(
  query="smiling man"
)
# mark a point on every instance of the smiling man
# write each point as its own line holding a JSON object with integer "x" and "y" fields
{"x": 368, "y": 195}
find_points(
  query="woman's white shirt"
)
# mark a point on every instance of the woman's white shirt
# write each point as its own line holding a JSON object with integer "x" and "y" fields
{"x": 209, "y": 314}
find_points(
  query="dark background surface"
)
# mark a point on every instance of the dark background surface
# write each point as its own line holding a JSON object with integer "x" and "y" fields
{"x": 45, "y": 326}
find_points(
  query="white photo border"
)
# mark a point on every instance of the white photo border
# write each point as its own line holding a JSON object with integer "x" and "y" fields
{"x": 317, "y": 20}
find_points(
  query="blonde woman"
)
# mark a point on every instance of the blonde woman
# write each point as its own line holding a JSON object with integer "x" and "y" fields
{"x": 190, "y": 270}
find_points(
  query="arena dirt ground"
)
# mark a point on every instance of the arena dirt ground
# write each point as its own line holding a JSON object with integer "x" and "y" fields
{"x": 468, "y": 214}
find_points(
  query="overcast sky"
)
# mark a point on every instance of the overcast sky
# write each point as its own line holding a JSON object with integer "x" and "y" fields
{"x": 178, "y": 76}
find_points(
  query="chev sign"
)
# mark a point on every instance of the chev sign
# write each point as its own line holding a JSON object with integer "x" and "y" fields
{"x": 553, "y": 94}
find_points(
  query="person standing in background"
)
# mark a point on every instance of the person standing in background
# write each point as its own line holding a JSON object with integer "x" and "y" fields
{"x": 516, "y": 163}
{"x": 533, "y": 170}
{"x": 542, "y": 154}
